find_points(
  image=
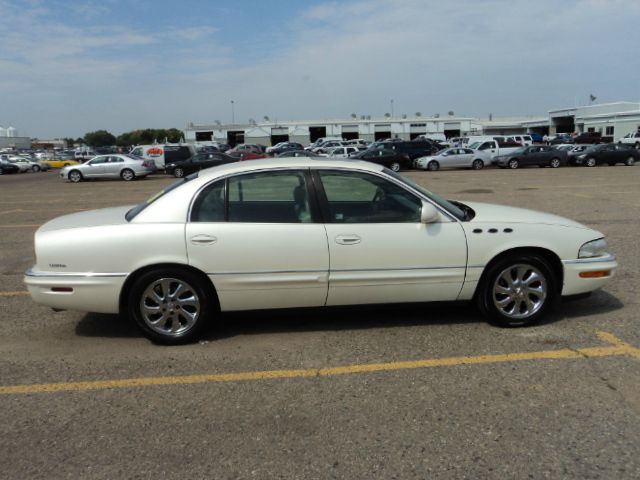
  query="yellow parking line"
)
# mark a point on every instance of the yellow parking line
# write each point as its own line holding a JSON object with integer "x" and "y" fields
{"x": 24, "y": 225}
{"x": 19, "y": 293}
{"x": 615, "y": 347}
{"x": 12, "y": 211}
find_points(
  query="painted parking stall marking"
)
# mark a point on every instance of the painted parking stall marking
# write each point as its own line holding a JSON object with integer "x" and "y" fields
{"x": 613, "y": 347}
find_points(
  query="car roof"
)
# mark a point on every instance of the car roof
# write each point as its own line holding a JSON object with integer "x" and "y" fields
{"x": 286, "y": 162}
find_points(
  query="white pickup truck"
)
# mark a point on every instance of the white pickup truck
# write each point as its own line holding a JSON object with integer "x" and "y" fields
{"x": 632, "y": 138}
{"x": 494, "y": 148}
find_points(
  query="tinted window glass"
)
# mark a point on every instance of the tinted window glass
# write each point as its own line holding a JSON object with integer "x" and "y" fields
{"x": 209, "y": 206}
{"x": 355, "y": 197}
{"x": 269, "y": 197}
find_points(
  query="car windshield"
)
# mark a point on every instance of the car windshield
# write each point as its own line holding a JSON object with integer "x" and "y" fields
{"x": 446, "y": 204}
{"x": 133, "y": 213}
{"x": 474, "y": 145}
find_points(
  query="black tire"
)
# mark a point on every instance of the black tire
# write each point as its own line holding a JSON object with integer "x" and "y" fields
{"x": 159, "y": 332}
{"x": 513, "y": 164}
{"x": 36, "y": 168}
{"x": 630, "y": 162}
{"x": 178, "y": 172}
{"x": 554, "y": 163}
{"x": 1, "y": 171}
{"x": 75, "y": 176}
{"x": 590, "y": 162}
{"x": 611, "y": 164}
{"x": 127, "y": 175}
{"x": 395, "y": 166}
{"x": 637, "y": 145}
{"x": 489, "y": 292}
{"x": 477, "y": 164}
{"x": 433, "y": 166}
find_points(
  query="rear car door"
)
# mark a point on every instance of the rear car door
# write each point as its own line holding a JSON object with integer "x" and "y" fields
{"x": 379, "y": 250}
{"x": 257, "y": 237}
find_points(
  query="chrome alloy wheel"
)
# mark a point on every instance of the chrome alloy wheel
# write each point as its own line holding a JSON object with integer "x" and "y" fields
{"x": 170, "y": 306}
{"x": 519, "y": 291}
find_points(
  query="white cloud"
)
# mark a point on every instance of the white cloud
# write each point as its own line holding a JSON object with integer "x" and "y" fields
{"x": 470, "y": 56}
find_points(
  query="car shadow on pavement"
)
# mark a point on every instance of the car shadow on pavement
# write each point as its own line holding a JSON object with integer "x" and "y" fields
{"x": 346, "y": 318}
{"x": 106, "y": 325}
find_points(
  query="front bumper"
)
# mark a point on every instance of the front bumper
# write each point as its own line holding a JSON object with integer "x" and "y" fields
{"x": 87, "y": 292}
{"x": 575, "y": 284}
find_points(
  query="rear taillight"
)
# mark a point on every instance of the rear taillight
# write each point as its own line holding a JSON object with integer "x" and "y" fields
{"x": 145, "y": 164}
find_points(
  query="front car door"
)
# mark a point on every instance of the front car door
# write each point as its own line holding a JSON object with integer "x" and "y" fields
{"x": 95, "y": 167}
{"x": 379, "y": 250}
{"x": 268, "y": 219}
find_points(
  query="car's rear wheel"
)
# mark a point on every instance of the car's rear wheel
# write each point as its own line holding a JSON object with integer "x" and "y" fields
{"x": 513, "y": 164}
{"x": 629, "y": 162}
{"x": 178, "y": 172}
{"x": 637, "y": 145}
{"x": 433, "y": 166}
{"x": 555, "y": 163}
{"x": 477, "y": 164}
{"x": 395, "y": 166}
{"x": 517, "y": 290}
{"x": 171, "y": 306}
{"x": 590, "y": 162}
{"x": 75, "y": 176}
{"x": 127, "y": 175}
{"x": 36, "y": 168}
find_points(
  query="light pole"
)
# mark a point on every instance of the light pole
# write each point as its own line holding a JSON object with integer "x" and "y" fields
{"x": 392, "y": 108}
{"x": 233, "y": 113}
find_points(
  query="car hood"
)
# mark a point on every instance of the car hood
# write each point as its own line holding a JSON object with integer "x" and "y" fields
{"x": 490, "y": 213}
{"x": 89, "y": 218}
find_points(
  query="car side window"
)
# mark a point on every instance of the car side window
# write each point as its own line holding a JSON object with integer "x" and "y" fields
{"x": 98, "y": 160}
{"x": 209, "y": 206}
{"x": 269, "y": 197}
{"x": 356, "y": 197}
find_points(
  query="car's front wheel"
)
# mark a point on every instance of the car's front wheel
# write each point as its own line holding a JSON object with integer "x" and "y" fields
{"x": 513, "y": 164}
{"x": 433, "y": 166}
{"x": 517, "y": 290}
{"x": 171, "y": 306}
{"x": 127, "y": 175}
{"x": 395, "y": 166}
{"x": 590, "y": 162}
{"x": 555, "y": 163}
{"x": 477, "y": 164}
{"x": 75, "y": 176}
{"x": 178, "y": 172}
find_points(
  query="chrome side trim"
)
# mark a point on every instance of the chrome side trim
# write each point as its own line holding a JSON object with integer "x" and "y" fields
{"x": 605, "y": 258}
{"x": 338, "y": 270}
{"x": 33, "y": 273}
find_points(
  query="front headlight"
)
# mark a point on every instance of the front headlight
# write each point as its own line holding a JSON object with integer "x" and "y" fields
{"x": 582, "y": 156}
{"x": 595, "y": 248}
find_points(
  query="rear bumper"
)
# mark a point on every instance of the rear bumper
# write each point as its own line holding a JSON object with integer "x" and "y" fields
{"x": 574, "y": 284}
{"x": 87, "y": 292}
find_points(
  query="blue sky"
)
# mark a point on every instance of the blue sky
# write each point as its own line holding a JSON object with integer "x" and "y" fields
{"x": 67, "y": 68}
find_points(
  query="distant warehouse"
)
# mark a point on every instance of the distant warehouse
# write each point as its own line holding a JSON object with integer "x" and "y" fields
{"x": 612, "y": 119}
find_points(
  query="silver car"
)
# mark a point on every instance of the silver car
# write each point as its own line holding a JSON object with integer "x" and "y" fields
{"x": 126, "y": 167}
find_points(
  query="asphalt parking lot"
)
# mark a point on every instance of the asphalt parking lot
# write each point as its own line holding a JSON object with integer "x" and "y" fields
{"x": 420, "y": 392}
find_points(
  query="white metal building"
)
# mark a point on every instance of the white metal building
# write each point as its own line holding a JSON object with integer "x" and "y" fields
{"x": 616, "y": 119}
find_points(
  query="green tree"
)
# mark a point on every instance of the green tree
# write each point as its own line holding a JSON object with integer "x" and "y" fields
{"x": 99, "y": 138}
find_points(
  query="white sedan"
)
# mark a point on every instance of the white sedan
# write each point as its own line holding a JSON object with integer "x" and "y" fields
{"x": 299, "y": 232}
{"x": 454, "y": 158}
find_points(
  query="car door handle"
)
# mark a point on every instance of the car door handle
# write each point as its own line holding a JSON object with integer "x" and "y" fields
{"x": 203, "y": 239}
{"x": 348, "y": 239}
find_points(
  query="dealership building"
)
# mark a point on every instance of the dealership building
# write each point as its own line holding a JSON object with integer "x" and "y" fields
{"x": 614, "y": 119}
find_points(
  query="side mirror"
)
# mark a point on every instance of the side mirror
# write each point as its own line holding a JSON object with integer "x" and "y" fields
{"x": 429, "y": 213}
